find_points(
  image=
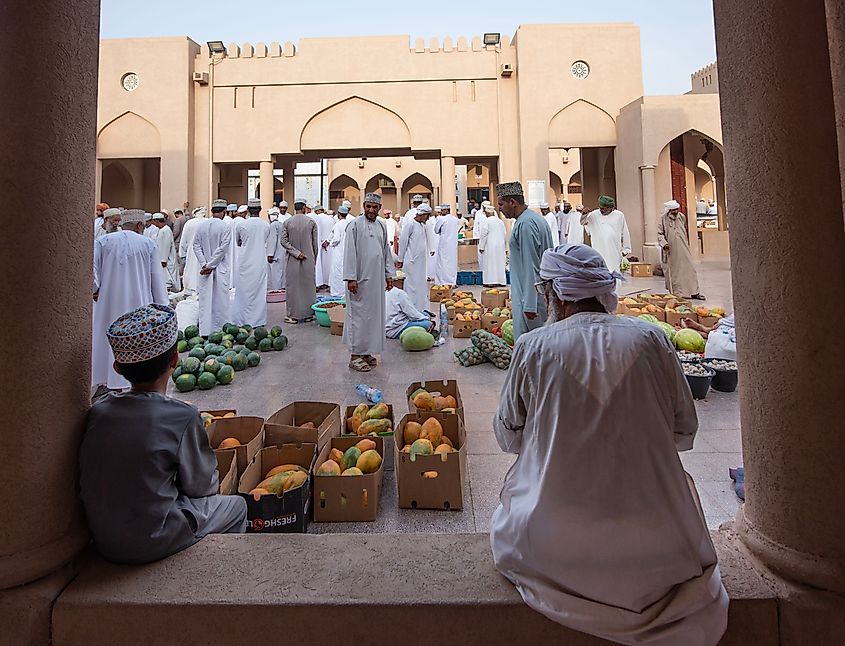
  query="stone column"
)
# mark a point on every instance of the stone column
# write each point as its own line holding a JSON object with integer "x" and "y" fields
{"x": 48, "y": 108}
{"x": 267, "y": 184}
{"x": 721, "y": 202}
{"x": 447, "y": 183}
{"x": 651, "y": 251}
{"x": 786, "y": 278}
{"x": 288, "y": 181}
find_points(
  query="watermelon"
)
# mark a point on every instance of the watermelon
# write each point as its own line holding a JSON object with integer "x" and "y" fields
{"x": 211, "y": 365}
{"x": 242, "y": 336}
{"x": 207, "y": 381}
{"x": 176, "y": 373}
{"x": 181, "y": 346}
{"x": 228, "y": 343}
{"x": 197, "y": 352}
{"x": 180, "y": 335}
{"x": 248, "y": 328}
{"x": 225, "y": 375}
{"x": 192, "y": 331}
{"x": 261, "y": 333}
{"x": 668, "y": 330}
{"x": 253, "y": 359}
{"x": 209, "y": 348}
{"x": 195, "y": 341}
{"x": 265, "y": 345}
{"x": 280, "y": 342}
{"x": 238, "y": 348}
{"x": 229, "y": 357}
{"x": 229, "y": 337}
{"x": 252, "y": 342}
{"x": 416, "y": 339}
{"x": 191, "y": 365}
{"x": 245, "y": 352}
{"x": 186, "y": 383}
{"x": 240, "y": 363}
{"x": 216, "y": 337}
{"x": 275, "y": 331}
{"x": 689, "y": 340}
{"x": 507, "y": 332}
{"x": 649, "y": 317}
{"x": 231, "y": 329}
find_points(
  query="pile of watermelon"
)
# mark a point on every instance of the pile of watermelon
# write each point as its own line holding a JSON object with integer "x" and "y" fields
{"x": 214, "y": 361}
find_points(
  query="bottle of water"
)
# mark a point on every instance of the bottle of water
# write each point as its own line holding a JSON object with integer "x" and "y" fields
{"x": 444, "y": 322}
{"x": 373, "y": 395}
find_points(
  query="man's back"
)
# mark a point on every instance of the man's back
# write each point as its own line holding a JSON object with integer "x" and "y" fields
{"x": 126, "y": 258}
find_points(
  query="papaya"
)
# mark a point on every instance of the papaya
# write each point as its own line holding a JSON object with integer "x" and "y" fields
{"x": 443, "y": 448}
{"x": 229, "y": 443}
{"x": 350, "y": 457}
{"x": 451, "y": 402}
{"x": 352, "y": 471}
{"x": 369, "y": 462}
{"x": 421, "y": 447}
{"x": 258, "y": 492}
{"x": 424, "y": 401}
{"x": 417, "y": 392}
{"x": 361, "y": 410}
{"x": 379, "y": 411}
{"x": 366, "y": 445}
{"x": 374, "y": 426}
{"x": 285, "y": 467}
{"x": 336, "y": 455}
{"x": 296, "y": 479}
{"x": 439, "y": 403}
{"x": 354, "y": 423}
{"x": 445, "y": 439}
{"x": 432, "y": 431}
{"x": 406, "y": 448}
{"x": 329, "y": 468}
{"x": 412, "y": 432}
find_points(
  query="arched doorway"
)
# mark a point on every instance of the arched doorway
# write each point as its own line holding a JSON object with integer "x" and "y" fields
{"x": 132, "y": 183}
{"x": 416, "y": 184}
{"x": 118, "y": 186}
{"x": 342, "y": 188}
{"x": 386, "y": 187}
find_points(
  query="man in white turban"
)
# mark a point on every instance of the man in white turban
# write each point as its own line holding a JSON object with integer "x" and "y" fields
{"x": 608, "y": 231}
{"x": 598, "y": 526}
{"x": 678, "y": 267}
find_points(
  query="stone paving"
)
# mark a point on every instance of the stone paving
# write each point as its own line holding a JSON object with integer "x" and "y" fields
{"x": 314, "y": 368}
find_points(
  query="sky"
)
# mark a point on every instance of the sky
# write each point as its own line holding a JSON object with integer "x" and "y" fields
{"x": 677, "y": 36}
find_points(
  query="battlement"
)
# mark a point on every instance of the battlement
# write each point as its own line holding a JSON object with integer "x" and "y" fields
{"x": 705, "y": 80}
{"x": 476, "y": 44}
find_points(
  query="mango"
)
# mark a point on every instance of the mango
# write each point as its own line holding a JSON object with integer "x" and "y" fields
{"x": 369, "y": 462}
{"x": 406, "y": 448}
{"x": 374, "y": 426}
{"x": 207, "y": 419}
{"x": 258, "y": 492}
{"x": 350, "y": 457}
{"x": 366, "y": 445}
{"x": 352, "y": 471}
{"x": 361, "y": 410}
{"x": 417, "y": 392}
{"x": 432, "y": 431}
{"x": 379, "y": 411}
{"x": 308, "y": 425}
{"x": 412, "y": 432}
{"x": 329, "y": 468}
{"x": 337, "y": 456}
{"x": 424, "y": 401}
{"x": 421, "y": 447}
{"x": 296, "y": 479}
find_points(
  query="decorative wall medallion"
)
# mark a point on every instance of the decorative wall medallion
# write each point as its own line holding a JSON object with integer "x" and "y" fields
{"x": 130, "y": 81}
{"x": 580, "y": 70}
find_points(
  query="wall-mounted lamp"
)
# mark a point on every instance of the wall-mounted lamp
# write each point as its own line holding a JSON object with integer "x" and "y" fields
{"x": 492, "y": 39}
{"x": 216, "y": 47}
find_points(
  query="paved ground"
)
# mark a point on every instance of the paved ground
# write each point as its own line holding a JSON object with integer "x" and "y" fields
{"x": 314, "y": 368}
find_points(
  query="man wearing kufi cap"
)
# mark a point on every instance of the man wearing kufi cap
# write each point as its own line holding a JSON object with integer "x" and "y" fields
{"x": 231, "y": 209}
{"x": 567, "y": 402}
{"x": 148, "y": 477}
{"x": 110, "y": 222}
{"x": 99, "y": 217}
{"x": 416, "y": 200}
{"x": 413, "y": 256}
{"x": 299, "y": 238}
{"x": 213, "y": 247}
{"x": 325, "y": 224}
{"x": 478, "y": 223}
{"x": 678, "y": 267}
{"x": 127, "y": 274}
{"x": 530, "y": 237}
{"x": 608, "y": 231}
{"x": 367, "y": 270}
{"x": 191, "y": 273}
{"x": 551, "y": 220}
{"x": 391, "y": 226}
{"x": 149, "y": 230}
{"x": 250, "y": 272}
{"x": 167, "y": 252}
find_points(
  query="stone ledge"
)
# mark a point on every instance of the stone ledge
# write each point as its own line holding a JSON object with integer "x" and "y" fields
{"x": 356, "y": 589}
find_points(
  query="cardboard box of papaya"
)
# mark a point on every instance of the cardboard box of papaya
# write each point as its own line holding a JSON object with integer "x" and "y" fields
{"x": 491, "y": 298}
{"x": 277, "y": 488}
{"x": 431, "y": 465}
{"x": 315, "y": 422}
{"x": 363, "y": 419}
{"x": 243, "y": 434}
{"x": 435, "y": 396}
{"x": 438, "y": 293}
{"x": 227, "y": 471}
{"x": 348, "y": 480}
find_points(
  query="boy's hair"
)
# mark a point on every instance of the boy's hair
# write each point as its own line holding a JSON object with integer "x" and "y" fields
{"x": 145, "y": 372}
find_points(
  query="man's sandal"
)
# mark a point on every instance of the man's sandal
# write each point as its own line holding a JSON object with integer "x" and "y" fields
{"x": 360, "y": 365}
{"x": 371, "y": 361}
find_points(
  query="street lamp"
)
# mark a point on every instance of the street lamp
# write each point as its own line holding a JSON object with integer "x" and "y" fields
{"x": 216, "y": 47}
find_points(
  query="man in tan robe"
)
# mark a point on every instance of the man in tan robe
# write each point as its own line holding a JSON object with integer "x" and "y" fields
{"x": 681, "y": 277}
{"x": 299, "y": 238}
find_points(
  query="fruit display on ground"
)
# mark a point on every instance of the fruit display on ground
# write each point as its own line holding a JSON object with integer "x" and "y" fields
{"x": 280, "y": 479}
{"x": 358, "y": 460}
{"x": 366, "y": 420}
{"x": 494, "y": 349}
{"x": 416, "y": 339}
{"x": 426, "y": 438}
{"x": 214, "y": 361}
{"x": 425, "y": 401}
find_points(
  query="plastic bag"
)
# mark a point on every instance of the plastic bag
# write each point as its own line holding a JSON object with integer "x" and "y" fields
{"x": 470, "y": 356}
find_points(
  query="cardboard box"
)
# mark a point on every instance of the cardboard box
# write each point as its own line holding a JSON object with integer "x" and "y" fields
{"x": 388, "y": 438}
{"x": 464, "y": 329}
{"x": 337, "y": 316}
{"x": 709, "y": 321}
{"x": 489, "y": 301}
{"x": 227, "y": 471}
{"x": 348, "y": 498}
{"x": 283, "y": 514}
{"x": 446, "y": 490}
{"x": 284, "y": 425}
{"x": 437, "y": 294}
{"x": 490, "y": 322}
{"x": 641, "y": 270}
{"x": 219, "y": 413}
{"x": 247, "y": 430}
{"x": 441, "y": 388}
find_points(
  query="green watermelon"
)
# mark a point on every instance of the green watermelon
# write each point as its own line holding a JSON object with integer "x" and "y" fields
{"x": 252, "y": 342}
{"x": 181, "y": 346}
{"x": 209, "y": 348}
{"x": 280, "y": 342}
{"x": 238, "y": 348}
{"x": 197, "y": 352}
{"x": 225, "y": 375}
{"x": 195, "y": 341}
{"x": 211, "y": 365}
{"x": 265, "y": 345}
{"x": 253, "y": 359}
{"x": 207, "y": 381}
{"x": 219, "y": 350}
{"x": 261, "y": 333}
{"x": 191, "y": 365}
{"x": 186, "y": 383}
{"x": 176, "y": 373}
{"x": 240, "y": 363}
{"x": 230, "y": 328}
{"x": 228, "y": 343}
{"x": 275, "y": 331}
{"x": 229, "y": 358}
{"x": 191, "y": 332}
{"x": 216, "y": 337}
{"x": 180, "y": 335}
{"x": 248, "y": 328}
{"x": 245, "y": 352}
{"x": 416, "y": 339}
{"x": 229, "y": 337}
{"x": 242, "y": 336}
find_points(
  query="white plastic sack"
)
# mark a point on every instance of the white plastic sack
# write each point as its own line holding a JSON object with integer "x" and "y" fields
{"x": 721, "y": 343}
{"x": 188, "y": 312}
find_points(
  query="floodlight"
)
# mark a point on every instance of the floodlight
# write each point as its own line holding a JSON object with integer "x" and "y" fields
{"x": 492, "y": 39}
{"x": 216, "y": 47}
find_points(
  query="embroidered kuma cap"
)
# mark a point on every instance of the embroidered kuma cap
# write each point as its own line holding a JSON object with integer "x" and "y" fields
{"x": 143, "y": 334}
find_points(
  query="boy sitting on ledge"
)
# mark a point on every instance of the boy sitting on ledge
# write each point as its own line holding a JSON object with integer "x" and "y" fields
{"x": 148, "y": 476}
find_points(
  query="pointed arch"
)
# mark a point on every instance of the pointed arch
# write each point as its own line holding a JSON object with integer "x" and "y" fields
{"x": 582, "y": 124}
{"x": 373, "y": 184}
{"x": 367, "y": 125}
{"x": 342, "y": 182}
{"x": 128, "y": 135}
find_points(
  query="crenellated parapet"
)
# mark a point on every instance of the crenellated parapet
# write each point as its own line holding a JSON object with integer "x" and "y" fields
{"x": 475, "y": 44}
{"x": 705, "y": 80}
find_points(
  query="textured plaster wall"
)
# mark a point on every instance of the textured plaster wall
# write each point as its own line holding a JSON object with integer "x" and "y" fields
{"x": 48, "y": 109}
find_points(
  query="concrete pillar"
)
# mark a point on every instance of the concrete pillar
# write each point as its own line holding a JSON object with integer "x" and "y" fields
{"x": 721, "y": 202}
{"x": 650, "y": 251}
{"x": 785, "y": 278}
{"x": 48, "y": 108}
{"x": 265, "y": 170}
{"x": 447, "y": 182}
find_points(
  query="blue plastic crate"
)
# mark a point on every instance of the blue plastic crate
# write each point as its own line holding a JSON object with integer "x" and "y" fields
{"x": 466, "y": 278}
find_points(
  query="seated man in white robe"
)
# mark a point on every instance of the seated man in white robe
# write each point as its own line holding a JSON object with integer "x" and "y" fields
{"x": 598, "y": 526}
{"x": 400, "y": 314}
{"x": 148, "y": 477}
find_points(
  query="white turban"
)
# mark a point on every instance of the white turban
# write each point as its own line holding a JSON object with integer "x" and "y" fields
{"x": 273, "y": 213}
{"x": 282, "y": 203}
{"x": 671, "y": 205}
{"x": 544, "y": 205}
{"x": 489, "y": 209}
{"x": 423, "y": 208}
{"x": 579, "y": 272}
{"x": 243, "y": 208}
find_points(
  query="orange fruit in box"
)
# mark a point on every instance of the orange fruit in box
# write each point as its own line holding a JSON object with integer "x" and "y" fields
{"x": 229, "y": 443}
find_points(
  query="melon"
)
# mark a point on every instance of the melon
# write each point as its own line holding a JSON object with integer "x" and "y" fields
{"x": 251, "y": 343}
{"x": 186, "y": 383}
{"x": 197, "y": 352}
{"x": 207, "y": 381}
{"x": 191, "y": 365}
{"x": 231, "y": 328}
{"x": 253, "y": 359}
{"x": 192, "y": 331}
{"x": 260, "y": 333}
{"x": 225, "y": 375}
{"x": 215, "y": 337}
{"x": 275, "y": 331}
{"x": 182, "y": 346}
{"x": 194, "y": 342}
{"x": 265, "y": 345}
{"x": 240, "y": 362}
{"x": 211, "y": 364}
{"x": 242, "y": 336}
{"x": 280, "y": 342}
{"x": 177, "y": 372}
{"x": 416, "y": 339}
{"x": 421, "y": 447}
